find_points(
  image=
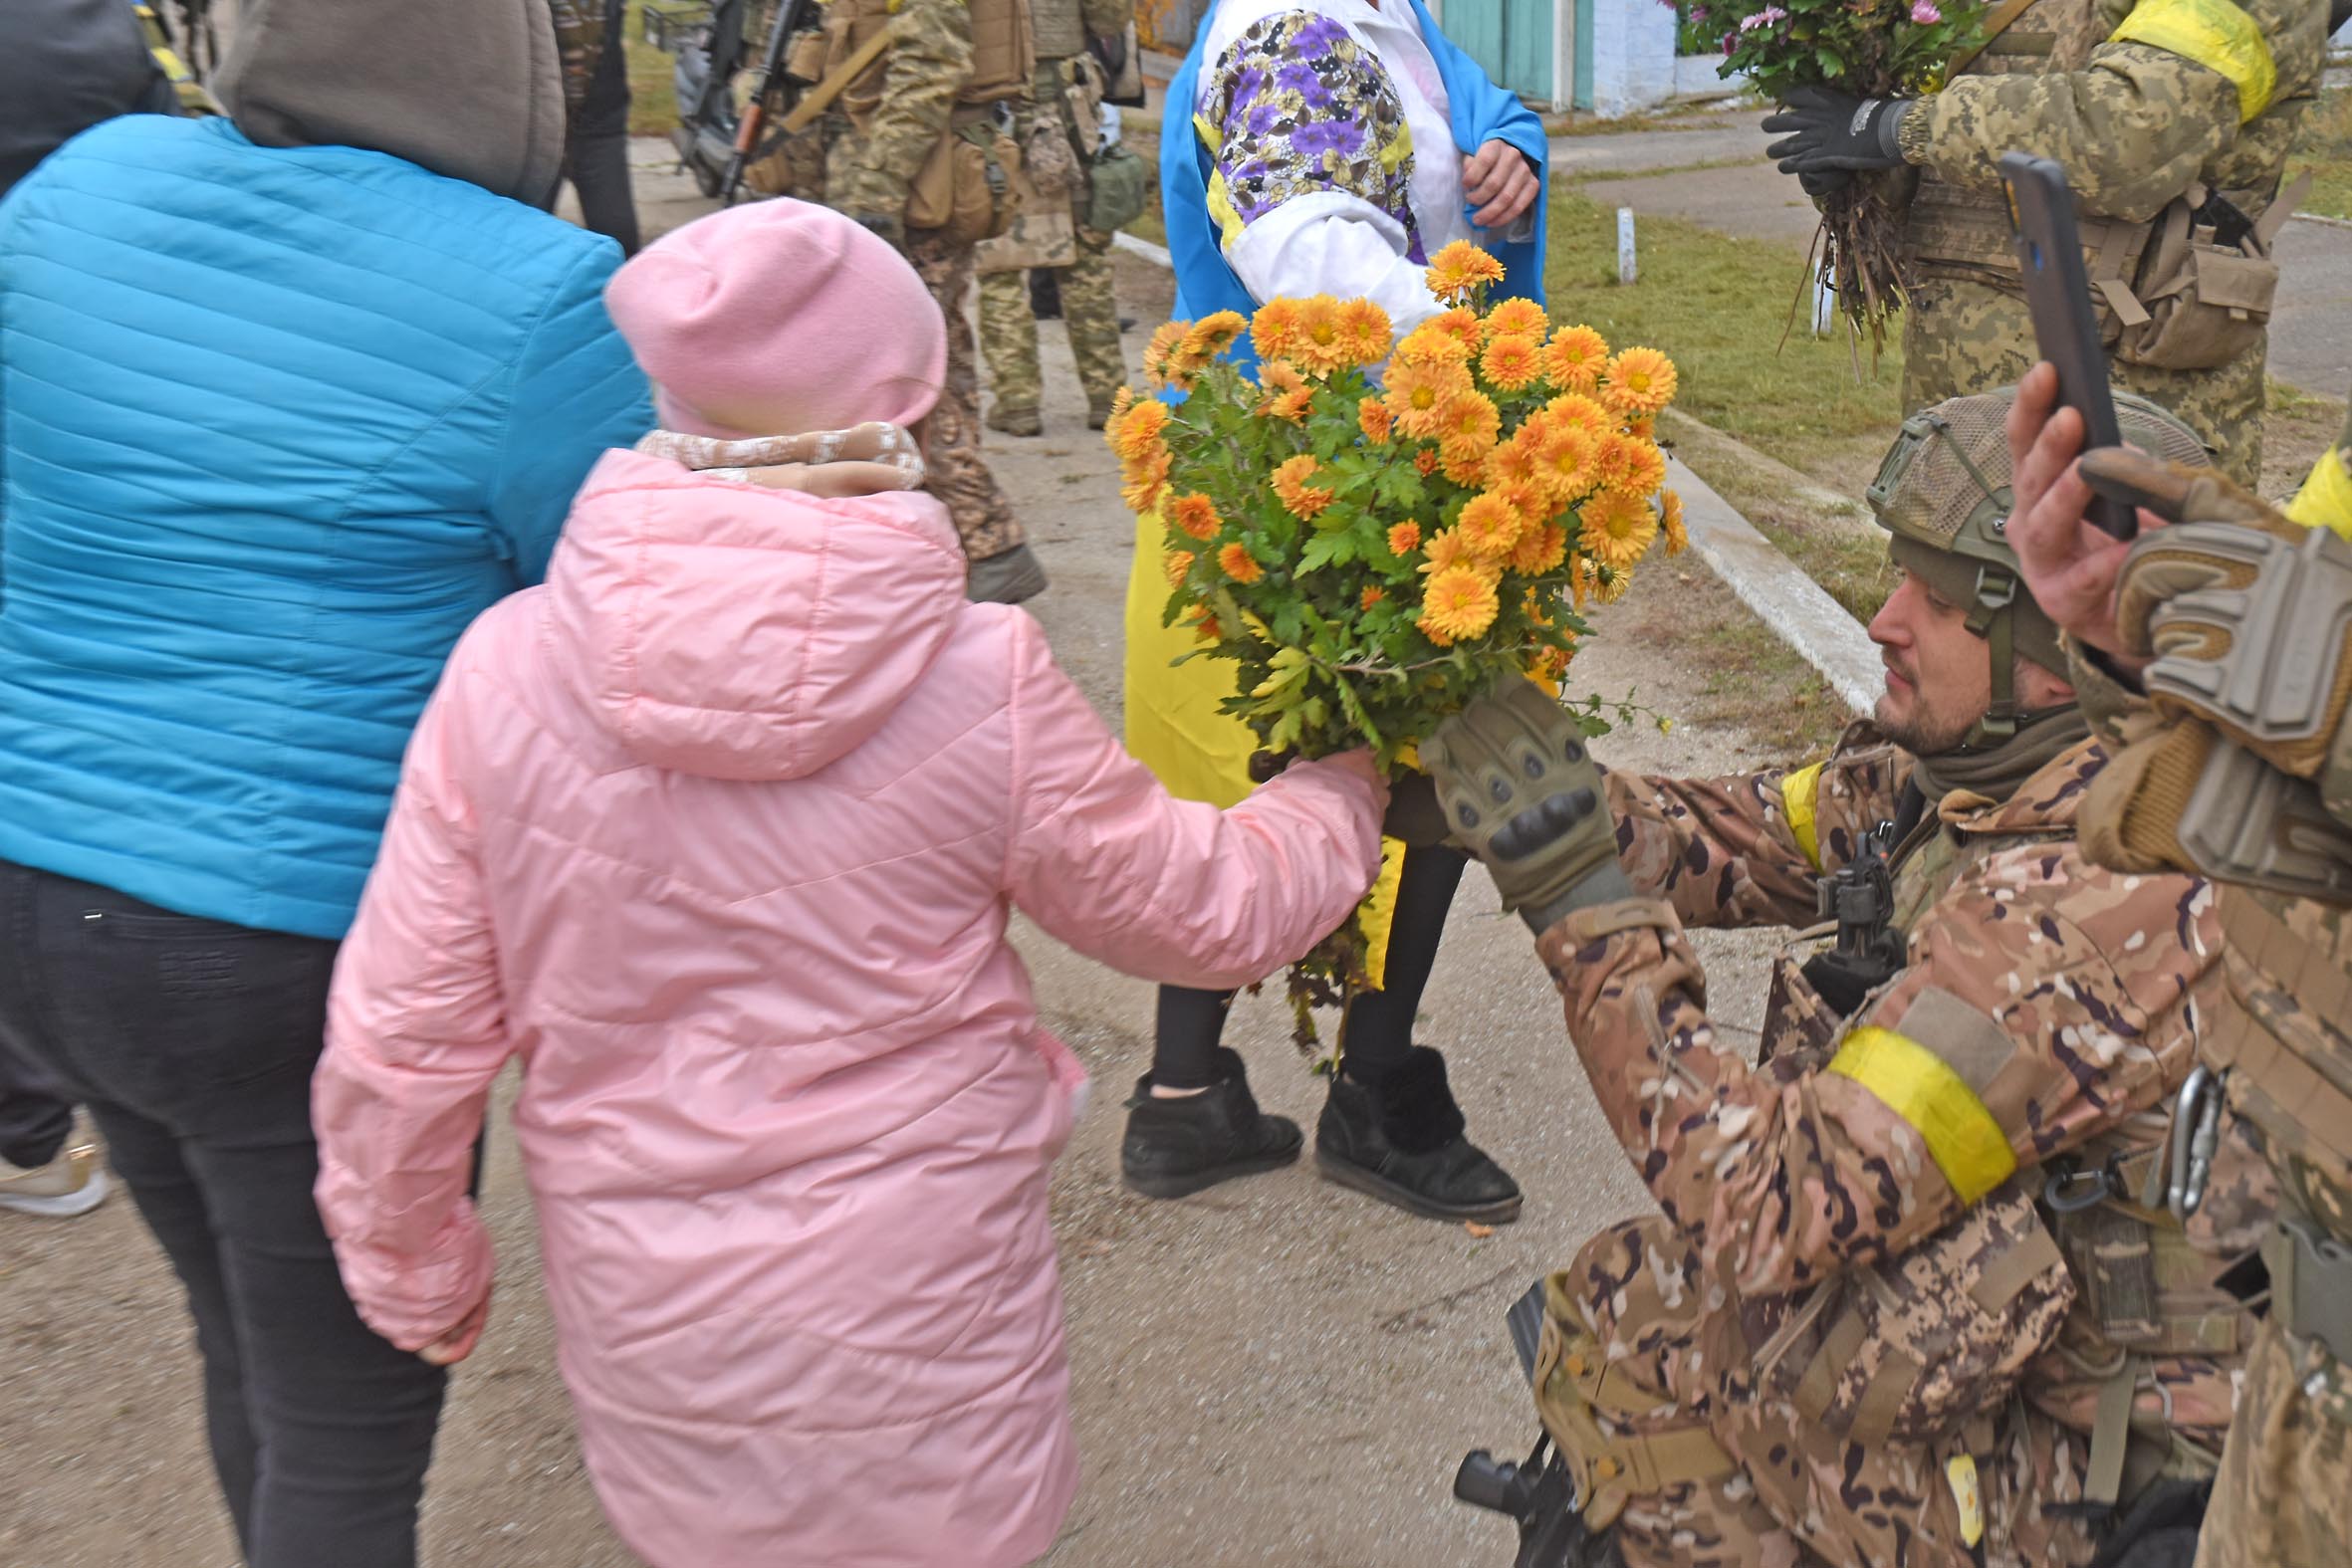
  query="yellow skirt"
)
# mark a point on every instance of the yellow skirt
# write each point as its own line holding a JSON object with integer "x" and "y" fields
{"x": 1174, "y": 727}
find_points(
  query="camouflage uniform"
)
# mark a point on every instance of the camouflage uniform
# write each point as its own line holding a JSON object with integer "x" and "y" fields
{"x": 896, "y": 114}
{"x": 1008, "y": 329}
{"x": 580, "y": 43}
{"x": 2135, "y": 124}
{"x": 2045, "y": 1011}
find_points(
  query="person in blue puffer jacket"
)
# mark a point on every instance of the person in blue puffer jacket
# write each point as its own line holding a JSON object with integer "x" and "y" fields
{"x": 286, "y": 399}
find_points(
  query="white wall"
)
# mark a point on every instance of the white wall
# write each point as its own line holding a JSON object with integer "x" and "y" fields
{"x": 1632, "y": 55}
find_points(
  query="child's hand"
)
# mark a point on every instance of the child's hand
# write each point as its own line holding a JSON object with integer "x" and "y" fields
{"x": 460, "y": 1341}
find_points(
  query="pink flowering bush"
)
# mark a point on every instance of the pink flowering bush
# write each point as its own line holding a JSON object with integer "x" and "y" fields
{"x": 1869, "y": 47}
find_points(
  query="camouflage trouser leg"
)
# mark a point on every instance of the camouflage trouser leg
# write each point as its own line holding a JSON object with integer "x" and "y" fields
{"x": 959, "y": 475}
{"x": 1092, "y": 313}
{"x": 1009, "y": 342}
{"x": 1801, "y": 1493}
{"x": 2284, "y": 1498}
{"x": 1962, "y": 338}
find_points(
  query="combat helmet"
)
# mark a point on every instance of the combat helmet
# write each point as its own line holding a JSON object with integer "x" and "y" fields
{"x": 1943, "y": 493}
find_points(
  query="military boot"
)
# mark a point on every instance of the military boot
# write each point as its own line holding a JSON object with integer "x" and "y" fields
{"x": 1180, "y": 1145}
{"x": 1400, "y": 1137}
{"x": 1007, "y": 578}
{"x": 1098, "y": 414}
{"x": 1016, "y": 422}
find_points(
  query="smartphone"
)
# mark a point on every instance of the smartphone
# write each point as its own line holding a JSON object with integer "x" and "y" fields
{"x": 2066, "y": 320}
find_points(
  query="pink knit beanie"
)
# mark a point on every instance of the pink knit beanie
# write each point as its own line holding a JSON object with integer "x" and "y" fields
{"x": 777, "y": 318}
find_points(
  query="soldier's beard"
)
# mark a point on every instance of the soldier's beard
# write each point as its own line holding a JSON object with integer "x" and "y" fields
{"x": 1915, "y": 724}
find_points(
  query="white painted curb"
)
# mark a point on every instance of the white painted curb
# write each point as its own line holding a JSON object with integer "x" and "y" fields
{"x": 1798, "y": 609}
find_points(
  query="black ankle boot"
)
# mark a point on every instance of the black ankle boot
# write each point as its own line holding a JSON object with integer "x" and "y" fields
{"x": 1181, "y": 1144}
{"x": 1400, "y": 1139}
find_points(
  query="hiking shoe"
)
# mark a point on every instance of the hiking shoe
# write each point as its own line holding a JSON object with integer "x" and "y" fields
{"x": 72, "y": 1184}
{"x": 1016, "y": 422}
{"x": 1399, "y": 1138}
{"x": 1179, "y": 1146}
{"x": 1007, "y": 578}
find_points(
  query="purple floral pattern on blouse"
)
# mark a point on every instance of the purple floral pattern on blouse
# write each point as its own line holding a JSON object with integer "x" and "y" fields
{"x": 1302, "y": 107}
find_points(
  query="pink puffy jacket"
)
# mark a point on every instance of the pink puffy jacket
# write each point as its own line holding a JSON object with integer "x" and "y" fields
{"x": 718, "y": 833}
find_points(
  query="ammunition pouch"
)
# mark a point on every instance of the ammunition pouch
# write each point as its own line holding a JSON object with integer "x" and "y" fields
{"x": 1119, "y": 187}
{"x": 2147, "y": 1287}
{"x": 2171, "y": 294}
{"x": 1589, "y": 1407}
{"x": 1912, "y": 1347}
{"x": 1038, "y": 229}
{"x": 959, "y": 195}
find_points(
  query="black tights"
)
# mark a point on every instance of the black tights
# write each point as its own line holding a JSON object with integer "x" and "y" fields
{"x": 1378, "y": 1028}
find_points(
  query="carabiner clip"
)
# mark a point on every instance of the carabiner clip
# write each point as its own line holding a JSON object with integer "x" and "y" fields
{"x": 2071, "y": 1189}
{"x": 2197, "y": 1127}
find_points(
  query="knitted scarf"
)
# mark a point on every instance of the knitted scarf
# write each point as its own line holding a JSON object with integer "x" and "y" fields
{"x": 1996, "y": 772}
{"x": 861, "y": 461}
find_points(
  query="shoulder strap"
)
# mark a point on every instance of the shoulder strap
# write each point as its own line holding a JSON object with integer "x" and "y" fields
{"x": 1994, "y": 25}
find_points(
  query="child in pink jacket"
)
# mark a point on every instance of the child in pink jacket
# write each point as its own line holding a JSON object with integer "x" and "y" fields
{"x": 718, "y": 833}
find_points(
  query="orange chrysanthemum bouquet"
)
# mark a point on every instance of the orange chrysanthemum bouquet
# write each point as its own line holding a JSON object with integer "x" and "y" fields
{"x": 1374, "y": 539}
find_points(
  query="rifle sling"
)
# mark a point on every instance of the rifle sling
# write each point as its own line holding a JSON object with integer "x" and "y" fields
{"x": 820, "y": 98}
{"x": 1994, "y": 25}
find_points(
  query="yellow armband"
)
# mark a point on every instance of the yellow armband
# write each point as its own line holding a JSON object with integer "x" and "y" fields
{"x": 2214, "y": 34}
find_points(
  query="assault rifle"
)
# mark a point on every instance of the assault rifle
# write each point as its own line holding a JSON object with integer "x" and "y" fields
{"x": 1537, "y": 1494}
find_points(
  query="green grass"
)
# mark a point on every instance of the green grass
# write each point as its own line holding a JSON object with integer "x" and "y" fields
{"x": 654, "y": 96}
{"x": 1720, "y": 306}
{"x": 2325, "y": 149}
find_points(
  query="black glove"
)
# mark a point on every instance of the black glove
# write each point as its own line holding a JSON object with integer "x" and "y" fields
{"x": 1522, "y": 792}
{"x": 1818, "y": 183}
{"x": 1829, "y": 130}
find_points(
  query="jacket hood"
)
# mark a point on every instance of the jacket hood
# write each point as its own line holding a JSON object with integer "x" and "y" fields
{"x": 469, "y": 89}
{"x": 722, "y": 630}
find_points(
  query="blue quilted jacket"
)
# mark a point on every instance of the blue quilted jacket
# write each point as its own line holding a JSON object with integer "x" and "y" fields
{"x": 274, "y": 426}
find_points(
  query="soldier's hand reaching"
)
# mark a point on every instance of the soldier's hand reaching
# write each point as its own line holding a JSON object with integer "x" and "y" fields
{"x": 1520, "y": 792}
{"x": 1499, "y": 184}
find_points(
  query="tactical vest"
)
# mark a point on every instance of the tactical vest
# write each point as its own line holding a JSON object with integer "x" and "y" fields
{"x": 2175, "y": 293}
{"x": 1004, "y": 55}
{"x": 2283, "y": 1044}
{"x": 1060, "y": 27}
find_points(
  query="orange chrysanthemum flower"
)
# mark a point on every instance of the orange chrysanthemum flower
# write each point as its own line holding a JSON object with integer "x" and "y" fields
{"x": 1235, "y": 562}
{"x": 1447, "y": 549}
{"x": 1196, "y": 515}
{"x": 1470, "y": 420}
{"x": 1610, "y": 583}
{"x": 1490, "y": 526}
{"x": 1642, "y": 427}
{"x": 1177, "y": 563}
{"x": 1576, "y": 357}
{"x": 1211, "y": 336}
{"x": 1459, "y": 326}
{"x": 1404, "y": 537}
{"x": 1291, "y": 397}
{"x": 1426, "y": 461}
{"x": 1425, "y": 344}
{"x": 1518, "y": 459}
{"x": 1512, "y": 364}
{"x": 1670, "y": 523}
{"x": 1375, "y": 419}
{"x": 1549, "y": 666}
{"x": 1529, "y": 497}
{"x": 1365, "y": 331}
{"x": 1166, "y": 340}
{"x": 1575, "y": 411}
{"x": 1566, "y": 467}
{"x": 1617, "y": 528}
{"x": 1642, "y": 468}
{"x": 1458, "y": 602}
{"x": 1292, "y": 489}
{"x": 1320, "y": 350}
{"x": 1418, "y": 393}
{"x": 1460, "y": 269}
{"x": 1462, "y": 463}
{"x": 1120, "y": 402}
{"x": 1371, "y": 597}
{"x": 1517, "y": 318}
{"x": 1639, "y": 381}
{"x": 1273, "y": 331}
{"x": 1135, "y": 434}
{"x": 1148, "y": 483}
{"x": 1541, "y": 549}
{"x": 1612, "y": 461}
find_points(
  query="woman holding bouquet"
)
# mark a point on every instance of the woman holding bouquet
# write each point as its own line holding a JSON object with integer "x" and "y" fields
{"x": 1329, "y": 151}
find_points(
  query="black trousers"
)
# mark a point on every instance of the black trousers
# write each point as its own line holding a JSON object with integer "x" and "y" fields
{"x": 35, "y": 1118}
{"x": 1378, "y": 1029}
{"x": 597, "y": 144}
{"x": 191, "y": 1042}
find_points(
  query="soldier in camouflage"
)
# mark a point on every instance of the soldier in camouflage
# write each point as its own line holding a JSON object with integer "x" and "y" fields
{"x": 2171, "y": 116}
{"x": 951, "y": 69}
{"x": 1905, "y": 1301}
{"x": 1069, "y": 96}
{"x": 2214, "y": 656}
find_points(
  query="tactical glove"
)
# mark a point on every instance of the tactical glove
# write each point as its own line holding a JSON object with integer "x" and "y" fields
{"x": 1828, "y": 130}
{"x": 2248, "y": 616}
{"x": 1522, "y": 792}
